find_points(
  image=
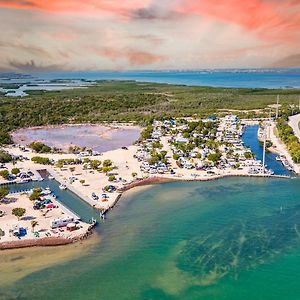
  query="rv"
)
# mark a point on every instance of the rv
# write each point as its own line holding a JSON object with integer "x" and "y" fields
{"x": 56, "y": 223}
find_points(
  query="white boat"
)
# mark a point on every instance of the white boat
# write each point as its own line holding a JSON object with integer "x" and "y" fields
{"x": 50, "y": 177}
{"x": 63, "y": 187}
{"x": 46, "y": 191}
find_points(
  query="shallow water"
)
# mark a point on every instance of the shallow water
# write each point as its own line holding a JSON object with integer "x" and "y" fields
{"x": 96, "y": 137}
{"x": 235, "y": 238}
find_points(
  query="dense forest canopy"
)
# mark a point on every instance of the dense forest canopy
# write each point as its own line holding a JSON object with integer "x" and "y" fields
{"x": 133, "y": 101}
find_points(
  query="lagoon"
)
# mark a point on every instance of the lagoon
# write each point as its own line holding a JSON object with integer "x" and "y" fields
{"x": 97, "y": 137}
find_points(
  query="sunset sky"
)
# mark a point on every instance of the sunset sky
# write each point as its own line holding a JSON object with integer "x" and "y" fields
{"x": 47, "y": 35}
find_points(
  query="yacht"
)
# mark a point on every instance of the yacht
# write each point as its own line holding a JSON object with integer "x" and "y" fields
{"x": 63, "y": 187}
{"x": 46, "y": 191}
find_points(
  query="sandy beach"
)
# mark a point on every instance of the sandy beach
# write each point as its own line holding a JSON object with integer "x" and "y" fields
{"x": 42, "y": 234}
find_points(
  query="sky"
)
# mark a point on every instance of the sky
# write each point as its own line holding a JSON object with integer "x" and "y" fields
{"x": 91, "y": 35}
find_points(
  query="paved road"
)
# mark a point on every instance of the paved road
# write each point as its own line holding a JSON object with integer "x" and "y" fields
{"x": 294, "y": 123}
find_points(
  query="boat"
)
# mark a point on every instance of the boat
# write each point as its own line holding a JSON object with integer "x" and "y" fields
{"x": 46, "y": 191}
{"x": 50, "y": 177}
{"x": 63, "y": 187}
{"x": 102, "y": 215}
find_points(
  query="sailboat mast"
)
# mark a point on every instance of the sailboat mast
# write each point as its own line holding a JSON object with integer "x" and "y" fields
{"x": 264, "y": 152}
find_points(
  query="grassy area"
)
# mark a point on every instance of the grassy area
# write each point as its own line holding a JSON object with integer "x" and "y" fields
{"x": 133, "y": 101}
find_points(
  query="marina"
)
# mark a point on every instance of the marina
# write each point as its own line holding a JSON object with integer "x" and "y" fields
{"x": 71, "y": 202}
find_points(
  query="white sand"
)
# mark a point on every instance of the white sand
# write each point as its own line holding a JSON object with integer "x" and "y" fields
{"x": 43, "y": 227}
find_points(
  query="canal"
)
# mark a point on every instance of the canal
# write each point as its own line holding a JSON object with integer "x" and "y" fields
{"x": 66, "y": 197}
{"x": 250, "y": 139}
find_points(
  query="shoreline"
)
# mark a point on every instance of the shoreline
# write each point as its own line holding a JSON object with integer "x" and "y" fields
{"x": 42, "y": 242}
{"x": 158, "y": 180}
{"x": 60, "y": 241}
{"x": 46, "y": 241}
{"x": 102, "y": 131}
{"x": 124, "y": 170}
{"x": 60, "y": 126}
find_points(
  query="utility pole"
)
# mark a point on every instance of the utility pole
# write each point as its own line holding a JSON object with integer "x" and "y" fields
{"x": 277, "y": 106}
{"x": 269, "y": 125}
{"x": 264, "y": 152}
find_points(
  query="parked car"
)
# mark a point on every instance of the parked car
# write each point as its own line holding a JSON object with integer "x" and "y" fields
{"x": 95, "y": 197}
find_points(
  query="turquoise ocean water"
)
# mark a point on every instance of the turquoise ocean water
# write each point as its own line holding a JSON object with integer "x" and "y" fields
{"x": 235, "y": 238}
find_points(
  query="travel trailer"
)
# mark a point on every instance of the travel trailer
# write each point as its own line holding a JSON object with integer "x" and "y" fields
{"x": 56, "y": 223}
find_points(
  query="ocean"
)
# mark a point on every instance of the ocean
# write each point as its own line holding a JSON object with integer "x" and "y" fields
{"x": 248, "y": 78}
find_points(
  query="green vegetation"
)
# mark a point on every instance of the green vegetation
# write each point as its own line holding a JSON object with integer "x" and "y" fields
{"x": 95, "y": 164}
{"x": 33, "y": 225}
{"x": 147, "y": 132}
{"x": 5, "y": 157}
{"x": 112, "y": 178}
{"x": 35, "y": 195}
{"x": 41, "y": 160}
{"x": 4, "y": 174}
{"x": 214, "y": 157}
{"x": 133, "y": 101}
{"x": 18, "y": 212}
{"x": 249, "y": 155}
{"x": 39, "y": 147}
{"x": 286, "y": 134}
{"x": 107, "y": 163}
{"x": 3, "y": 192}
{"x": 68, "y": 161}
{"x": 199, "y": 134}
{"x": 157, "y": 157}
{"x": 156, "y": 145}
{"x": 15, "y": 171}
{"x": 4, "y": 138}
{"x": 105, "y": 169}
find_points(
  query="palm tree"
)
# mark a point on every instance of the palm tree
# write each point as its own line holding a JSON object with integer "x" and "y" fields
{"x": 33, "y": 224}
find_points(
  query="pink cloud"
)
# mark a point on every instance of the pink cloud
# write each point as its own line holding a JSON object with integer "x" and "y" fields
{"x": 134, "y": 57}
{"x": 271, "y": 19}
{"x": 77, "y": 6}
